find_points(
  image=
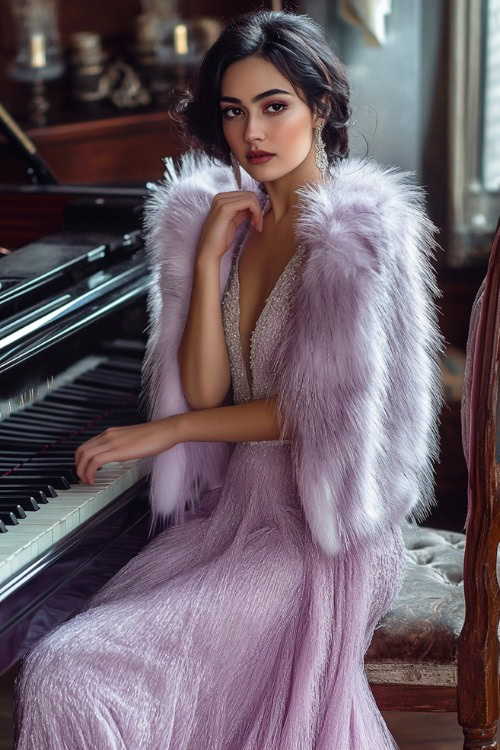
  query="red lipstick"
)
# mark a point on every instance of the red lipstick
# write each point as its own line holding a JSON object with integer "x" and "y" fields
{"x": 258, "y": 156}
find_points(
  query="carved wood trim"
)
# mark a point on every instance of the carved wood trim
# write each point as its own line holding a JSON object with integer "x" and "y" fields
{"x": 477, "y": 648}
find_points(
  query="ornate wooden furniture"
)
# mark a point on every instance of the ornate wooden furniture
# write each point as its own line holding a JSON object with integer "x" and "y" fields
{"x": 437, "y": 648}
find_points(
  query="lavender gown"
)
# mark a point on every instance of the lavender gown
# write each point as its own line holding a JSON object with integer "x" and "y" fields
{"x": 232, "y": 631}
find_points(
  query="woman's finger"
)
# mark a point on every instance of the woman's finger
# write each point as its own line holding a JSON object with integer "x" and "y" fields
{"x": 91, "y": 441}
{"x": 249, "y": 202}
{"x": 89, "y": 452}
{"x": 97, "y": 462}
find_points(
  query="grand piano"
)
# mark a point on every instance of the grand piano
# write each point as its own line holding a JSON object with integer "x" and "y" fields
{"x": 73, "y": 285}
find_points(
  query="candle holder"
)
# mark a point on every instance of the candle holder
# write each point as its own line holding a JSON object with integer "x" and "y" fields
{"x": 38, "y": 44}
{"x": 88, "y": 63}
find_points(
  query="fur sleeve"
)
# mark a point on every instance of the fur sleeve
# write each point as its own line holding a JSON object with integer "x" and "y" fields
{"x": 359, "y": 384}
{"x": 174, "y": 217}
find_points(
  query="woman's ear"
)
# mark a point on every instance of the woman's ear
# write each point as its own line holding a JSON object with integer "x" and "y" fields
{"x": 317, "y": 120}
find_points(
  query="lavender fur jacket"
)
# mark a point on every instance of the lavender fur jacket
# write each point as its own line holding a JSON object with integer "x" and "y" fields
{"x": 358, "y": 381}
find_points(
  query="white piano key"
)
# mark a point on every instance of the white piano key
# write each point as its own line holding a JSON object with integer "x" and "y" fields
{"x": 13, "y": 542}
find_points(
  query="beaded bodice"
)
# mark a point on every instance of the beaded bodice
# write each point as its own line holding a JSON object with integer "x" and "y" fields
{"x": 266, "y": 334}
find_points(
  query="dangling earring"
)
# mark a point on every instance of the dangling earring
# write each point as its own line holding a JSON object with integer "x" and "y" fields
{"x": 321, "y": 157}
{"x": 236, "y": 171}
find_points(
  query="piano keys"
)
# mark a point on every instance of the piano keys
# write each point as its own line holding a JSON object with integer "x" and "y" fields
{"x": 44, "y": 508}
{"x": 37, "y": 445}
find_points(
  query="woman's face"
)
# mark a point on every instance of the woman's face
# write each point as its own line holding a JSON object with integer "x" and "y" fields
{"x": 279, "y": 123}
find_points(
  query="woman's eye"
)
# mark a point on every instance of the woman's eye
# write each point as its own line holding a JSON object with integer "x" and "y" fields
{"x": 225, "y": 112}
{"x": 277, "y": 104}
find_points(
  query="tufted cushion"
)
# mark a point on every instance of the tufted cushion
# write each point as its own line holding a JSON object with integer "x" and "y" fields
{"x": 415, "y": 643}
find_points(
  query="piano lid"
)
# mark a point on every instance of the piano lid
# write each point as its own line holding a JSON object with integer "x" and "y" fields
{"x": 37, "y": 169}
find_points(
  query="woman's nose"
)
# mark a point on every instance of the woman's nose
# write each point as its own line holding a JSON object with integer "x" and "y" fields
{"x": 253, "y": 130}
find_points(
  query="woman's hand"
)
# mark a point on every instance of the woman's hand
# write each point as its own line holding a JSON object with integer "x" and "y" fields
{"x": 227, "y": 212}
{"x": 123, "y": 444}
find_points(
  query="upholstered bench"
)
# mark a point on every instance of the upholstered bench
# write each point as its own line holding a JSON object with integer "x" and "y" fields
{"x": 416, "y": 642}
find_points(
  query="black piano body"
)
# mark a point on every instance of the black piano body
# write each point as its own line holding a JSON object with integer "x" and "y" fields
{"x": 72, "y": 336}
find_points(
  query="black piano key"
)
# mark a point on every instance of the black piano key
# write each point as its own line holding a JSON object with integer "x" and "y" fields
{"x": 101, "y": 394}
{"x": 15, "y": 508}
{"x": 18, "y": 493}
{"x": 41, "y": 423}
{"x": 26, "y": 503}
{"x": 39, "y": 496}
{"x": 41, "y": 440}
{"x": 28, "y": 484}
{"x": 41, "y": 458}
{"x": 19, "y": 427}
{"x": 65, "y": 447}
{"x": 48, "y": 405}
{"x": 70, "y": 410}
{"x": 122, "y": 363}
{"x": 132, "y": 367}
{"x": 47, "y": 460}
{"x": 51, "y": 468}
{"x": 68, "y": 420}
{"x": 15, "y": 453}
{"x": 51, "y": 480}
{"x": 3, "y": 528}
{"x": 64, "y": 453}
{"x": 133, "y": 376}
{"x": 46, "y": 472}
{"x": 67, "y": 416}
{"x": 109, "y": 380}
{"x": 56, "y": 419}
{"x": 8, "y": 518}
{"x": 32, "y": 444}
{"x": 67, "y": 400}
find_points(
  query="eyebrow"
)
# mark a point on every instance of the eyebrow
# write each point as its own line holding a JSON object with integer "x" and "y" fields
{"x": 257, "y": 97}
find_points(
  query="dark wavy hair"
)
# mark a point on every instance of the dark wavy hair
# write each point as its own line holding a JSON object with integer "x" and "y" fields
{"x": 297, "y": 46}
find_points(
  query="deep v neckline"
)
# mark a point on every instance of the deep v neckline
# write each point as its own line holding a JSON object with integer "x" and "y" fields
{"x": 248, "y": 370}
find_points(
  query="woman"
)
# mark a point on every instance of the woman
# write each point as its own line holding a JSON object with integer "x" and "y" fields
{"x": 293, "y": 381}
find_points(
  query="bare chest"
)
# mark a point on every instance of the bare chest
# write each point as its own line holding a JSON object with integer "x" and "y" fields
{"x": 260, "y": 266}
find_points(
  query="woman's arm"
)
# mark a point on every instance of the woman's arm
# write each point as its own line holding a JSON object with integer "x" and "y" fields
{"x": 255, "y": 420}
{"x": 202, "y": 355}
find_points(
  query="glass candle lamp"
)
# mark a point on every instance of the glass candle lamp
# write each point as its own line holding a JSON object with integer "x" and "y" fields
{"x": 38, "y": 43}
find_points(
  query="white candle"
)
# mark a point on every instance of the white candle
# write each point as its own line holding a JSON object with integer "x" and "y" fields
{"x": 38, "y": 57}
{"x": 180, "y": 39}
